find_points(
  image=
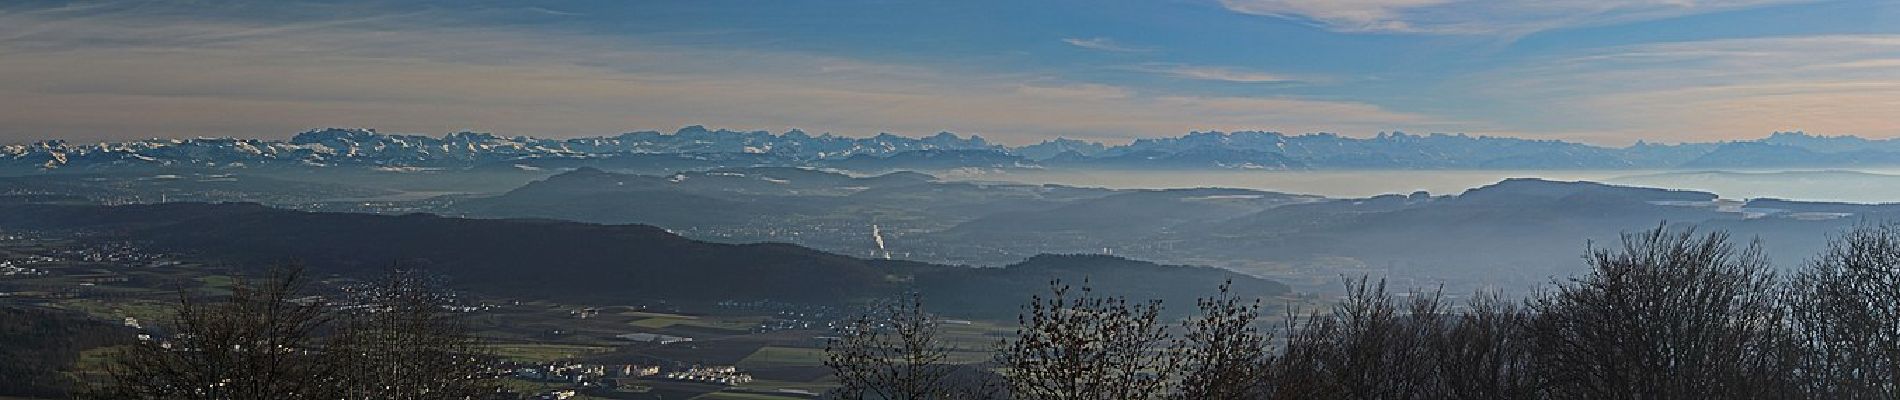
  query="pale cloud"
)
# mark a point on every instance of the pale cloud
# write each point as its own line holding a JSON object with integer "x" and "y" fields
{"x": 1715, "y": 90}
{"x": 1217, "y": 73}
{"x": 1085, "y": 91}
{"x": 1880, "y": 63}
{"x": 1508, "y": 17}
{"x": 1286, "y": 114}
{"x": 111, "y": 77}
{"x": 550, "y": 11}
{"x": 1104, "y": 44}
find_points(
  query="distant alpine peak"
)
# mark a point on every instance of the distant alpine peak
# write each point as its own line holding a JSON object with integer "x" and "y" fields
{"x": 333, "y": 146}
{"x": 339, "y": 146}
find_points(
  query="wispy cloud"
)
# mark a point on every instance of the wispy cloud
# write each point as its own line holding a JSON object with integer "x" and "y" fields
{"x": 1508, "y": 17}
{"x": 132, "y": 75}
{"x": 1216, "y": 73}
{"x": 1084, "y": 91}
{"x": 550, "y": 11}
{"x": 1104, "y": 44}
{"x": 1714, "y": 89}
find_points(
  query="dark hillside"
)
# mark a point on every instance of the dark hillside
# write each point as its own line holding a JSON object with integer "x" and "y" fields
{"x": 585, "y": 262}
{"x": 518, "y": 257}
{"x": 1177, "y": 286}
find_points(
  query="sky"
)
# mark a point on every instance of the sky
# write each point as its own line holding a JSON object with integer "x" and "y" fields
{"x": 1605, "y": 72}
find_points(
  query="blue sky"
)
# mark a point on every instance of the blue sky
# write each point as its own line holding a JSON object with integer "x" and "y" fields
{"x": 1599, "y": 71}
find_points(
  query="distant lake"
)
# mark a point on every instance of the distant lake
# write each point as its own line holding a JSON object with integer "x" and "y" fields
{"x": 1859, "y": 186}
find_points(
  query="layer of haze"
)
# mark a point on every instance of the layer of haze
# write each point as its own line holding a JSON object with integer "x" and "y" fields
{"x": 1856, "y": 186}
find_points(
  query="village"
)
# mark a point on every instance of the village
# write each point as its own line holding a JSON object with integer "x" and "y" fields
{"x": 541, "y": 349}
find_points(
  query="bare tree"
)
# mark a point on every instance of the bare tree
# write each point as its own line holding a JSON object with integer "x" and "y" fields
{"x": 1486, "y": 353}
{"x": 1669, "y": 315}
{"x": 398, "y": 340}
{"x": 1223, "y": 354}
{"x": 1845, "y": 308}
{"x": 893, "y": 352}
{"x": 259, "y": 343}
{"x": 1087, "y": 347}
{"x": 272, "y": 339}
{"x": 1371, "y": 346}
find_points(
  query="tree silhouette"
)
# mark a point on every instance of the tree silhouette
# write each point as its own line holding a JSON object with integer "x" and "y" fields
{"x": 261, "y": 342}
{"x": 1075, "y": 345}
{"x": 1486, "y": 354}
{"x": 1845, "y": 307}
{"x": 1370, "y": 346}
{"x": 1222, "y": 354}
{"x": 399, "y": 341}
{"x": 893, "y": 352}
{"x": 273, "y": 339}
{"x": 1668, "y": 315}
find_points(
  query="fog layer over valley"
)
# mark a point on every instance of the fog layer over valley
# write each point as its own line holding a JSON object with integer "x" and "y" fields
{"x": 681, "y": 251}
{"x": 1427, "y": 215}
{"x": 1511, "y": 234}
{"x": 962, "y": 200}
{"x": 1857, "y": 185}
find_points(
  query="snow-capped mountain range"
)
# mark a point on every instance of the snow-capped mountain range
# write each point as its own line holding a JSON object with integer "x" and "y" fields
{"x": 1198, "y": 150}
{"x": 337, "y": 146}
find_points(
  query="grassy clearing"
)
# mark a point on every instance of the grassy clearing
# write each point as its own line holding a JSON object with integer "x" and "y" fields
{"x": 657, "y": 321}
{"x": 530, "y": 388}
{"x": 92, "y": 364}
{"x": 741, "y": 324}
{"x": 649, "y": 314}
{"x": 817, "y": 386}
{"x": 974, "y": 342}
{"x": 742, "y": 396}
{"x": 96, "y": 359}
{"x": 220, "y": 282}
{"x": 544, "y": 352}
{"x": 774, "y": 356}
{"x": 147, "y": 311}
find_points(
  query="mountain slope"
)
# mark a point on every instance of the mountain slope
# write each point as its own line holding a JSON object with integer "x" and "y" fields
{"x": 518, "y": 257}
{"x": 1176, "y": 286}
{"x": 562, "y": 260}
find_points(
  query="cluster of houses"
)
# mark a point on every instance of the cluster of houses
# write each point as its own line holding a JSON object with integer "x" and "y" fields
{"x": 652, "y": 338}
{"x": 725, "y": 375}
{"x": 788, "y": 316}
{"x": 787, "y": 324}
{"x": 585, "y": 375}
{"x": 558, "y": 394}
{"x": 117, "y": 252}
{"x": 28, "y": 263}
{"x": 7, "y": 268}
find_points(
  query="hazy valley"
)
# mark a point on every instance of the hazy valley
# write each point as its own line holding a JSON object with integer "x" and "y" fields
{"x": 967, "y": 200}
{"x": 746, "y": 252}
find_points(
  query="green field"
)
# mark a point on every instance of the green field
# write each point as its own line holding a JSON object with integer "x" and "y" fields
{"x": 774, "y": 356}
{"x": 657, "y": 321}
{"x": 743, "y": 396}
{"x": 818, "y": 386}
{"x": 217, "y": 281}
{"x": 147, "y": 311}
{"x": 542, "y": 352}
{"x": 526, "y": 387}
